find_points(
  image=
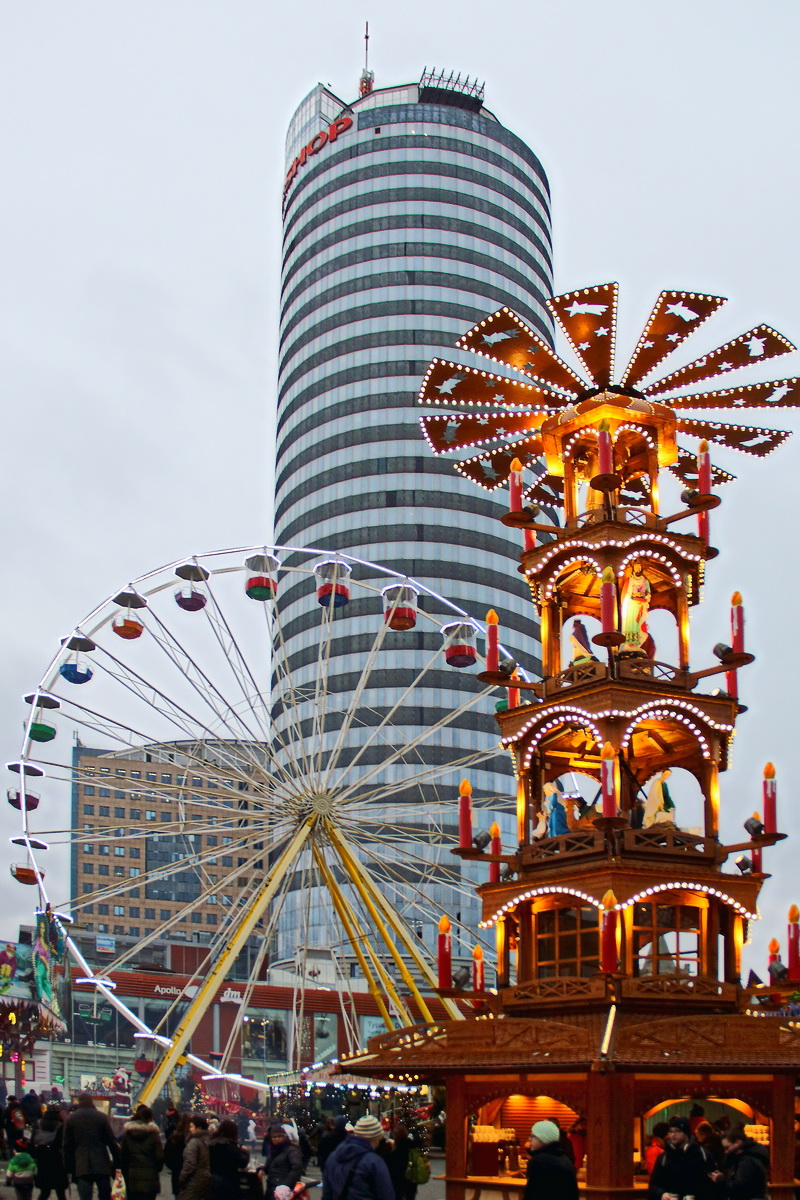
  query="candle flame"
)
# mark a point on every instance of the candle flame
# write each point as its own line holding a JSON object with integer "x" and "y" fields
{"x": 794, "y": 915}
{"x": 608, "y": 751}
{"x": 703, "y": 447}
{"x": 609, "y": 900}
{"x": 495, "y": 830}
{"x": 444, "y": 924}
{"x": 465, "y": 788}
{"x": 516, "y": 465}
{"x": 736, "y": 598}
{"x": 774, "y": 946}
{"x": 769, "y": 771}
{"x": 492, "y": 617}
{"x": 477, "y": 954}
{"x": 608, "y": 575}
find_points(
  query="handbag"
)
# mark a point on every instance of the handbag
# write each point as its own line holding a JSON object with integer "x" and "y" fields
{"x": 22, "y": 1179}
{"x": 118, "y": 1190}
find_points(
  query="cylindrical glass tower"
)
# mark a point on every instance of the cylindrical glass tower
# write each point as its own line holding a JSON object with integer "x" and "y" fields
{"x": 409, "y": 215}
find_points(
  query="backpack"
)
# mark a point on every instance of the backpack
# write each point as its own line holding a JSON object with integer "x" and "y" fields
{"x": 418, "y": 1169}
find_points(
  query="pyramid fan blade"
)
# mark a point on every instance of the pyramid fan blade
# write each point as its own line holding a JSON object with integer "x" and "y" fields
{"x": 685, "y": 469}
{"x": 453, "y": 384}
{"x": 589, "y": 319}
{"x": 759, "y": 442}
{"x": 755, "y": 346}
{"x": 504, "y": 337}
{"x": 779, "y": 393}
{"x": 461, "y": 431}
{"x": 491, "y": 470}
{"x": 548, "y": 489}
{"x": 675, "y": 317}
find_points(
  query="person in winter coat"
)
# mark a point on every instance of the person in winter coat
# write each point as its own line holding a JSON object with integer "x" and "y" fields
{"x": 354, "y": 1170}
{"x": 174, "y": 1148}
{"x": 551, "y": 1174}
{"x": 397, "y": 1159}
{"x": 656, "y": 1146}
{"x": 711, "y": 1142}
{"x": 48, "y": 1150}
{"x": 91, "y": 1154}
{"x": 335, "y": 1133}
{"x": 283, "y": 1162}
{"x": 22, "y": 1171}
{"x": 31, "y": 1105}
{"x": 195, "y": 1177}
{"x": 227, "y": 1159}
{"x": 141, "y": 1155}
{"x": 746, "y": 1167}
{"x": 684, "y": 1169}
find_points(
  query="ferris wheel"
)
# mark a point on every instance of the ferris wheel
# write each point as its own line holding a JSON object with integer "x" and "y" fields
{"x": 227, "y": 790}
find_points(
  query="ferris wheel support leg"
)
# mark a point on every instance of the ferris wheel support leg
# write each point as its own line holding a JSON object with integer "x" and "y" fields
{"x": 362, "y": 877}
{"x": 353, "y": 937}
{"x": 194, "y": 1014}
{"x": 370, "y": 894}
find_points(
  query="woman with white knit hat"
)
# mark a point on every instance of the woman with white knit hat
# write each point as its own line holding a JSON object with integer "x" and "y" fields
{"x": 551, "y": 1173}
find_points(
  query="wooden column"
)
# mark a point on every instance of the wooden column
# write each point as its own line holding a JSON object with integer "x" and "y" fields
{"x": 682, "y": 618}
{"x": 456, "y": 1138}
{"x": 782, "y": 1140}
{"x": 525, "y": 942}
{"x": 609, "y": 1142}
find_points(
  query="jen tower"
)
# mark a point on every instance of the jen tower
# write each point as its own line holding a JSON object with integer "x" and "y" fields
{"x": 409, "y": 214}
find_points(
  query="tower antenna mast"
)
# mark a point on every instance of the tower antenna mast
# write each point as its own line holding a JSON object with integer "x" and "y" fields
{"x": 367, "y": 76}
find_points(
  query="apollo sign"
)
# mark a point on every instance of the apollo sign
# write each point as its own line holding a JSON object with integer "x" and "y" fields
{"x": 317, "y": 143}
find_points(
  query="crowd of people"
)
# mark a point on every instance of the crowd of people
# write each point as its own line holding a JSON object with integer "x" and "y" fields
{"x": 686, "y": 1158}
{"x": 53, "y": 1145}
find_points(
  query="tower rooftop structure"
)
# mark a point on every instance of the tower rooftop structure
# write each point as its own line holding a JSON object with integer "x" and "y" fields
{"x": 619, "y": 927}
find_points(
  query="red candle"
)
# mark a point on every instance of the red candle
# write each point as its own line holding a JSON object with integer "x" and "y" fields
{"x": 477, "y": 969}
{"x": 703, "y": 486}
{"x": 737, "y": 642}
{"x": 515, "y": 486}
{"x": 793, "y": 942}
{"x": 495, "y": 847}
{"x": 445, "y": 953}
{"x": 513, "y": 694}
{"x": 530, "y": 539}
{"x": 492, "y": 653}
{"x": 774, "y": 951}
{"x": 465, "y": 815}
{"x": 608, "y": 935}
{"x": 608, "y": 782}
{"x": 605, "y": 451}
{"x": 608, "y": 601}
{"x": 770, "y": 792}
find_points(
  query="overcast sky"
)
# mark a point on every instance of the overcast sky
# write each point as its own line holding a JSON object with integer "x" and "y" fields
{"x": 142, "y": 158}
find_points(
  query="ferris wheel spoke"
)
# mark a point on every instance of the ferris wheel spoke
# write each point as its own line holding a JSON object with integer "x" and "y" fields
{"x": 427, "y": 774}
{"x": 157, "y": 700}
{"x": 236, "y": 660}
{"x": 281, "y": 667}
{"x": 388, "y": 717}
{"x": 355, "y": 701}
{"x": 180, "y": 657}
{"x": 321, "y": 685}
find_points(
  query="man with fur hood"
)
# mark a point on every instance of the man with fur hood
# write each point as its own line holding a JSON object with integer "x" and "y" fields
{"x": 142, "y": 1155}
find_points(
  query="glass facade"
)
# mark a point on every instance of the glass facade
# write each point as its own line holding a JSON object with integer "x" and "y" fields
{"x": 412, "y": 225}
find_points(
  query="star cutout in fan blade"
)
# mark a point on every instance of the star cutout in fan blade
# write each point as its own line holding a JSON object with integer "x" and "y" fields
{"x": 675, "y": 316}
{"x": 522, "y": 349}
{"x": 580, "y": 314}
{"x": 491, "y": 470}
{"x": 759, "y": 442}
{"x": 778, "y": 393}
{"x": 441, "y": 386}
{"x": 460, "y": 432}
{"x": 737, "y": 353}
